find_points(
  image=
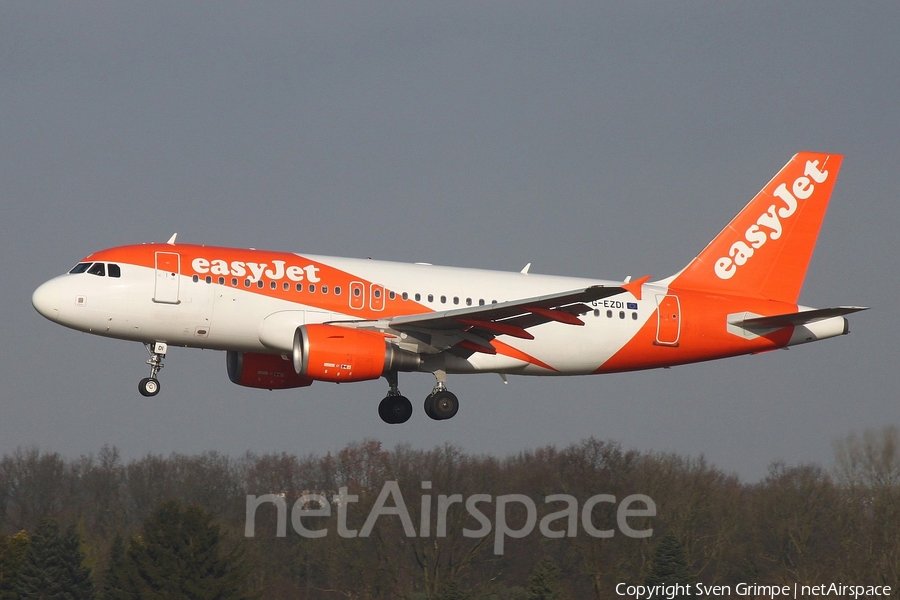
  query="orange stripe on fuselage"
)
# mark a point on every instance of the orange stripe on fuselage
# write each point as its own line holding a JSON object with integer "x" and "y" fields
{"x": 279, "y": 268}
{"x": 703, "y": 335}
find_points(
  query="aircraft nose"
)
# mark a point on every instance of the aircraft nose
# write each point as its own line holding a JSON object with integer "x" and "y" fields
{"x": 46, "y": 300}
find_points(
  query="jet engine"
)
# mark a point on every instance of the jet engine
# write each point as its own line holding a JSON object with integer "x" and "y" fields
{"x": 266, "y": 371}
{"x": 331, "y": 353}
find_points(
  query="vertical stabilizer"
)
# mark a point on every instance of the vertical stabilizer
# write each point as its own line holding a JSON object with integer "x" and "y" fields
{"x": 765, "y": 250}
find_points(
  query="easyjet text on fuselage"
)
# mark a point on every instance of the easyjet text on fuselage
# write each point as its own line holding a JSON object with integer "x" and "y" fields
{"x": 256, "y": 271}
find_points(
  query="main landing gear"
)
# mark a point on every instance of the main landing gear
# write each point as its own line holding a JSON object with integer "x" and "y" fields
{"x": 440, "y": 404}
{"x": 149, "y": 386}
{"x": 394, "y": 409}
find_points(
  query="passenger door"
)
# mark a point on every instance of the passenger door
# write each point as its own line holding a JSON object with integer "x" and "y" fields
{"x": 668, "y": 326}
{"x": 168, "y": 276}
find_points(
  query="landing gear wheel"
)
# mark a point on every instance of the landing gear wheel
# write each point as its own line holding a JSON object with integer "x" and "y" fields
{"x": 395, "y": 409}
{"x": 429, "y": 407}
{"x": 148, "y": 387}
{"x": 441, "y": 405}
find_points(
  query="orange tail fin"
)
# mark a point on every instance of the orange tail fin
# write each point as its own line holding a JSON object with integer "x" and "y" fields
{"x": 765, "y": 250}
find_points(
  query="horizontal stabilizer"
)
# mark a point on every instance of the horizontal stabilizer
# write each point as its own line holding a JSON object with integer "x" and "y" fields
{"x": 798, "y": 318}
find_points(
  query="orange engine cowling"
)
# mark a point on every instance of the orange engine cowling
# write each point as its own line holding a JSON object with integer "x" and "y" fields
{"x": 330, "y": 353}
{"x": 266, "y": 371}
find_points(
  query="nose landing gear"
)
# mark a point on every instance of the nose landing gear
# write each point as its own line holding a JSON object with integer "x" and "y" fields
{"x": 149, "y": 386}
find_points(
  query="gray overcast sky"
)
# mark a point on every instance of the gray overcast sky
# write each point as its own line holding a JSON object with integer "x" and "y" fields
{"x": 591, "y": 139}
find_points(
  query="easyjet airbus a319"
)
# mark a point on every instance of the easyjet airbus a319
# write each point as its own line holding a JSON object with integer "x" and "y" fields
{"x": 287, "y": 320}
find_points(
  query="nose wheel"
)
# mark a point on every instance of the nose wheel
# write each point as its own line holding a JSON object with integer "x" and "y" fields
{"x": 149, "y": 386}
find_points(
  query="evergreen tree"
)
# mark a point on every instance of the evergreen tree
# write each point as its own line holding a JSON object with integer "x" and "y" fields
{"x": 670, "y": 565}
{"x": 543, "y": 583}
{"x": 452, "y": 591}
{"x": 13, "y": 550}
{"x": 180, "y": 554}
{"x": 53, "y": 565}
{"x": 116, "y": 578}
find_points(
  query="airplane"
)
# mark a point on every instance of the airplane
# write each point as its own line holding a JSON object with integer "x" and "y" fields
{"x": 287, "y": 320}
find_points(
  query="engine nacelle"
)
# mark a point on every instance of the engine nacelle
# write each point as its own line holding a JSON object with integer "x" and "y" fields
{"x": 266, "y": 371}
{"x": 330, "y": 353}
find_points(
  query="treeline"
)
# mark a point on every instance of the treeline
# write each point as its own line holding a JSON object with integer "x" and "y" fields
{"x": 335, "y": 526}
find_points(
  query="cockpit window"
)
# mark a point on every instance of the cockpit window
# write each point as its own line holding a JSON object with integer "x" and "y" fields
{"x": 80, "y": 268}
{"x": 98, "y": 269}
{"x": 113, "y": 270}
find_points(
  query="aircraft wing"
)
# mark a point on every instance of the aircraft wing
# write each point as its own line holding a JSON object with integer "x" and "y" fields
{"x": 472, "y": 327}
{"x": 798, "y": 318}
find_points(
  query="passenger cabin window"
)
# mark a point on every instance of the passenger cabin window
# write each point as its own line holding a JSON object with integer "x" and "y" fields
{"x": 98, "y": 269}
{"x": 113, "y": 270}
{"x": 80, "y": 268}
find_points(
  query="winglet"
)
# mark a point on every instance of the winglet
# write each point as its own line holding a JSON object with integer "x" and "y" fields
{"x": 635, "y": 286}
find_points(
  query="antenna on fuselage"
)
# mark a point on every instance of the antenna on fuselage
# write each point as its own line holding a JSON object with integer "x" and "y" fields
{"x": 171, "y": 241}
